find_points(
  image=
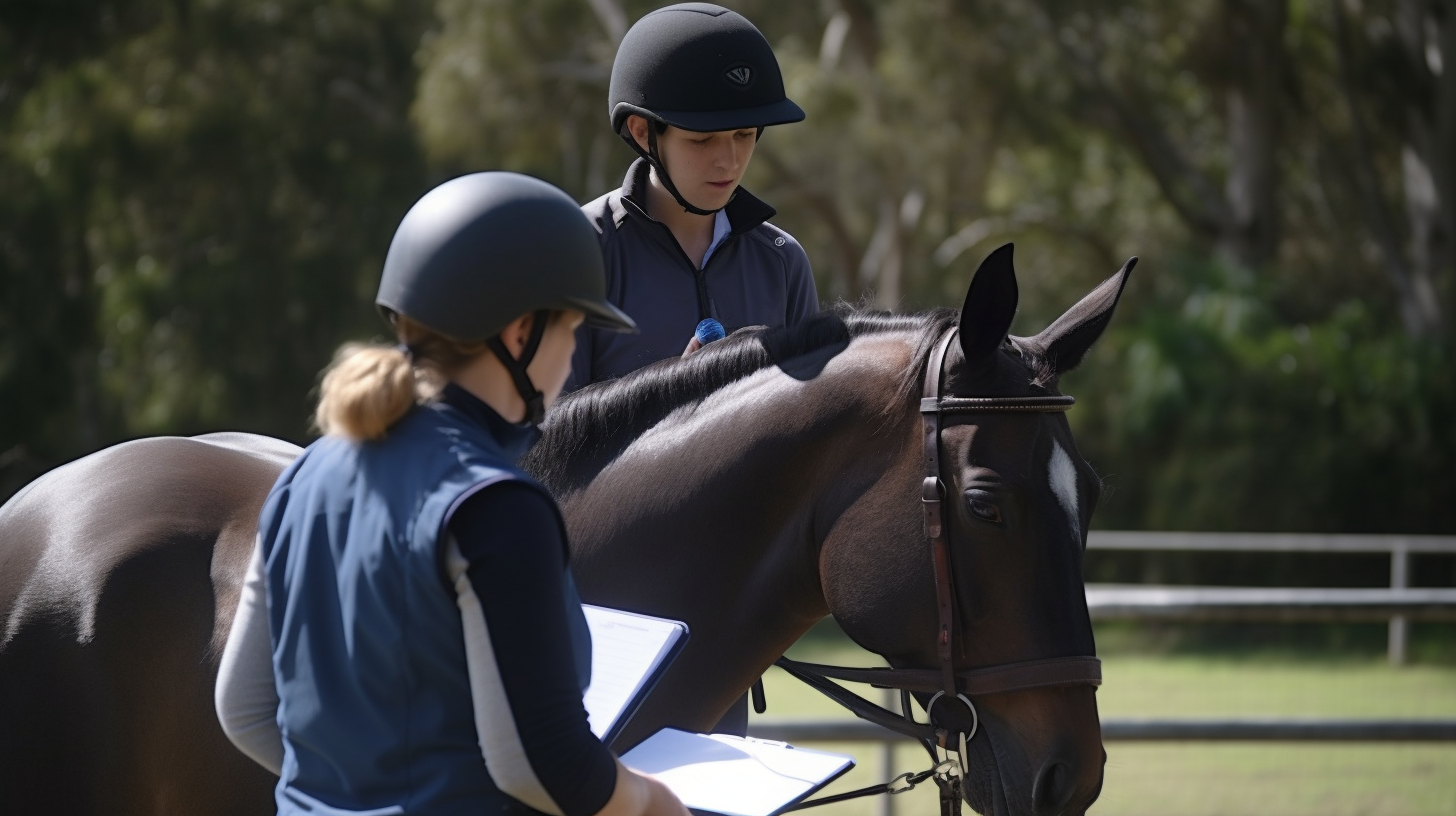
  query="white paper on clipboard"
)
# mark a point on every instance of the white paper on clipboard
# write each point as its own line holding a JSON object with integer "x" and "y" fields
{"x": 629, "y": 654}
{"x": 735, "y": 776}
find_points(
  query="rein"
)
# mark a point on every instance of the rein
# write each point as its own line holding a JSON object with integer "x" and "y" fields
{"x": 946, "y": 681}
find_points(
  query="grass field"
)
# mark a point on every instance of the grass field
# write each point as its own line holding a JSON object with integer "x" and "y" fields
{"x": 1211, "y": 779}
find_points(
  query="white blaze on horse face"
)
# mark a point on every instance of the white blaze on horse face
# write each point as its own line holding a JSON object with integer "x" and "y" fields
{"x": 1062, "y": 475}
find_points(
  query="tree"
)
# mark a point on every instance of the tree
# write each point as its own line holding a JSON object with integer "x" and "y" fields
{"x": 192, "y": 190}
{"x": 1376, "y": 136}
{"x": 1394, "y": 75}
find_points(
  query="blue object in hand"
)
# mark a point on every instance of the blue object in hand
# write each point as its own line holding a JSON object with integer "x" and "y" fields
{"x": 708, "y": 331}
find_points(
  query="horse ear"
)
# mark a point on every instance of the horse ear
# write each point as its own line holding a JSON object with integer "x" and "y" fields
{"x": 990, "y": 305}
{"x": 1066, "y": 341}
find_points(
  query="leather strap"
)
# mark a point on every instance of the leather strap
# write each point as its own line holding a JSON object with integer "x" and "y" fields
{"x": 1055, "y": 671}
{"x": 859, "y": 706}
{"x": 932, "y": 493}
{"x": 1004, "y": 405}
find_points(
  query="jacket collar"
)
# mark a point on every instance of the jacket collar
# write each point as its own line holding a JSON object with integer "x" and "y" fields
{"x": 745, "y": 212}
{"x": 514, "y": 440}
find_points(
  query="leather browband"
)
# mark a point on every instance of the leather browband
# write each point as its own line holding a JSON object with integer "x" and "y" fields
{"x": 966, "y": 405}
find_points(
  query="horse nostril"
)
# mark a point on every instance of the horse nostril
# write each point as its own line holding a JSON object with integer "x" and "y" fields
{"x": 1052, "y": 789}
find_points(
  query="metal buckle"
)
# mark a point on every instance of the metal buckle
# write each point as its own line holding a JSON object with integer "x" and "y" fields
{"x": 965, "y": 737}
{"x": 905, "y": 778}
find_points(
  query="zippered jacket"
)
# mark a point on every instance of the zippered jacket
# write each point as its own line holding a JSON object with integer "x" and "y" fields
{"x": 758, "y": 276}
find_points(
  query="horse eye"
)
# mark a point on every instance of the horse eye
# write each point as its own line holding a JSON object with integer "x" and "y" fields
{"x": 983, "y": 507}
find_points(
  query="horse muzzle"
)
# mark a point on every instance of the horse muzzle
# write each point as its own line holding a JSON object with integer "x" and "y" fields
{"x": 1036, "y": 753}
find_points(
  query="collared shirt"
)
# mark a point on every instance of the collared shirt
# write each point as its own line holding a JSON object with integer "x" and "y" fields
{"x": 722, "y": 228}
{"x": 754, "y": 274}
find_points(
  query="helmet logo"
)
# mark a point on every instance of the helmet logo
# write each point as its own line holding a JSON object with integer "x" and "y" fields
{"x": 740, "y": 75}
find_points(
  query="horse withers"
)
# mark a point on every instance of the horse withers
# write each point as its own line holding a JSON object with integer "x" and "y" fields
{"x": 751, "y": 489}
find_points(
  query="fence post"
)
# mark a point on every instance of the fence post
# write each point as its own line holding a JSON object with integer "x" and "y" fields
{"x": 889, "y": 699}
{"x": 1399, "y": 567}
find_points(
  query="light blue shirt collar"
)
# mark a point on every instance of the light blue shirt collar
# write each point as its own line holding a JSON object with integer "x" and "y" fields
{"x": 721, "y": 229}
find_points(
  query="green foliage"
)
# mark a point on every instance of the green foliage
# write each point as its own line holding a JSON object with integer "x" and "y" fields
{"x": 1207, "y": 412}
{"x": 198, "y": 197}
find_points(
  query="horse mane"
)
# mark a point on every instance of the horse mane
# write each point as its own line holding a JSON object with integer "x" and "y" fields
{"x": 586, "y": 429}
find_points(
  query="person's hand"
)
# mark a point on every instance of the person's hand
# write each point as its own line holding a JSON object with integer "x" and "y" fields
{"x": 661, "y": 801}
{"x": 638, "y": 794}
{"x": 707, "y": 331}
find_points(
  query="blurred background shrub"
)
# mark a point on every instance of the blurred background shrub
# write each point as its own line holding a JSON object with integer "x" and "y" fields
{"x": 196, "y": 196}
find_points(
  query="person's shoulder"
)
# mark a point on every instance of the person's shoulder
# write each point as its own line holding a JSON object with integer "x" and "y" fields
{"x": 519, "y": 487}
{"x": 778, "y": 242}
{"x": 601, "y": 211}
{"x": 776, "y": 235}
{"x": 600, "y": 205}
{"x": 518, "y": 495}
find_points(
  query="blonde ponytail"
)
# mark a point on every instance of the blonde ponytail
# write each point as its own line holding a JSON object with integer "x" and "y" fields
{"x": 370, "y": 386}
{"x": 367, "y": 388}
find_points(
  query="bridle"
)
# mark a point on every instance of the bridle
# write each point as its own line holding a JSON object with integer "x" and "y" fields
{"x": 946, "y": 681}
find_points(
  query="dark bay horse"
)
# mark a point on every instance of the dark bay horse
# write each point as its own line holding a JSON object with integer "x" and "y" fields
{"x": 768, "y": 480}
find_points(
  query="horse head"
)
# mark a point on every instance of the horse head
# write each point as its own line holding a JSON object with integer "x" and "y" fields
{"x": 1014, "y": 502}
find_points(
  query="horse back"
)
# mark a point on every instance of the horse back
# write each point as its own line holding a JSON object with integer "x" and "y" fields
{"x": 119, "y": 576}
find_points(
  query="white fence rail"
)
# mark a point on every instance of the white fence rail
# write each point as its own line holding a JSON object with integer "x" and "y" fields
{"x": 1234, "y": 729}
{"x": 1398, "y": 603}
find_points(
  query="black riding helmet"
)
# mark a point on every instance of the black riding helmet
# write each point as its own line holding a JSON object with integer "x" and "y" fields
{"x": 481, "y": 250}
{"x": 698, "y": 67}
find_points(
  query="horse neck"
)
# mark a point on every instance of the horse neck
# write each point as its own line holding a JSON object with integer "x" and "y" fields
{"x": 715, "y": 516}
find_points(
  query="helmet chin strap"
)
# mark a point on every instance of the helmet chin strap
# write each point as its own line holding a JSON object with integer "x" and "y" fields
{"x": 654, "y": 159}
{"x": 535, "y": 400}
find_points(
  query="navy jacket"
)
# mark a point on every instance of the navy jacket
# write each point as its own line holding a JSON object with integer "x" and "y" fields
{"x": 385, "y": 644}
{"x": 759, "y": 276}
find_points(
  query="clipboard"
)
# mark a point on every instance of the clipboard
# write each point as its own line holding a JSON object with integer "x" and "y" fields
{"x": 735, "y": 776}
{"x": 630, "y": 652}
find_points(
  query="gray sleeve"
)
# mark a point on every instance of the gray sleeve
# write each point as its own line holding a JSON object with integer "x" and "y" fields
{"x": 245, "y": 697}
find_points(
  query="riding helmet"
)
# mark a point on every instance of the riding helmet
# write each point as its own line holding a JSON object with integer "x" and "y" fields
{"x": 481, "y": 250}
{"x": 698, "y": 67}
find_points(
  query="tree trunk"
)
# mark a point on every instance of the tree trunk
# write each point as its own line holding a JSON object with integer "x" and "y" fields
{"x": 1250, "y": 235}
{"x": 1428, "y": 159}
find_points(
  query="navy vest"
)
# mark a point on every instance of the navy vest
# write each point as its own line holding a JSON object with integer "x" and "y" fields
{"x": 368, "y": 649}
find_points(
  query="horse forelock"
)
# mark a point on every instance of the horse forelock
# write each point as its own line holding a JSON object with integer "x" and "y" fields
{"x": 1042, "y": 372}
{"x": 585, "y": 429}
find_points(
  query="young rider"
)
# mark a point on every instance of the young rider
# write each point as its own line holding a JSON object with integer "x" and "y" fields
{"x": 422, "y": 648}
{"x": 693, "y": 86}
